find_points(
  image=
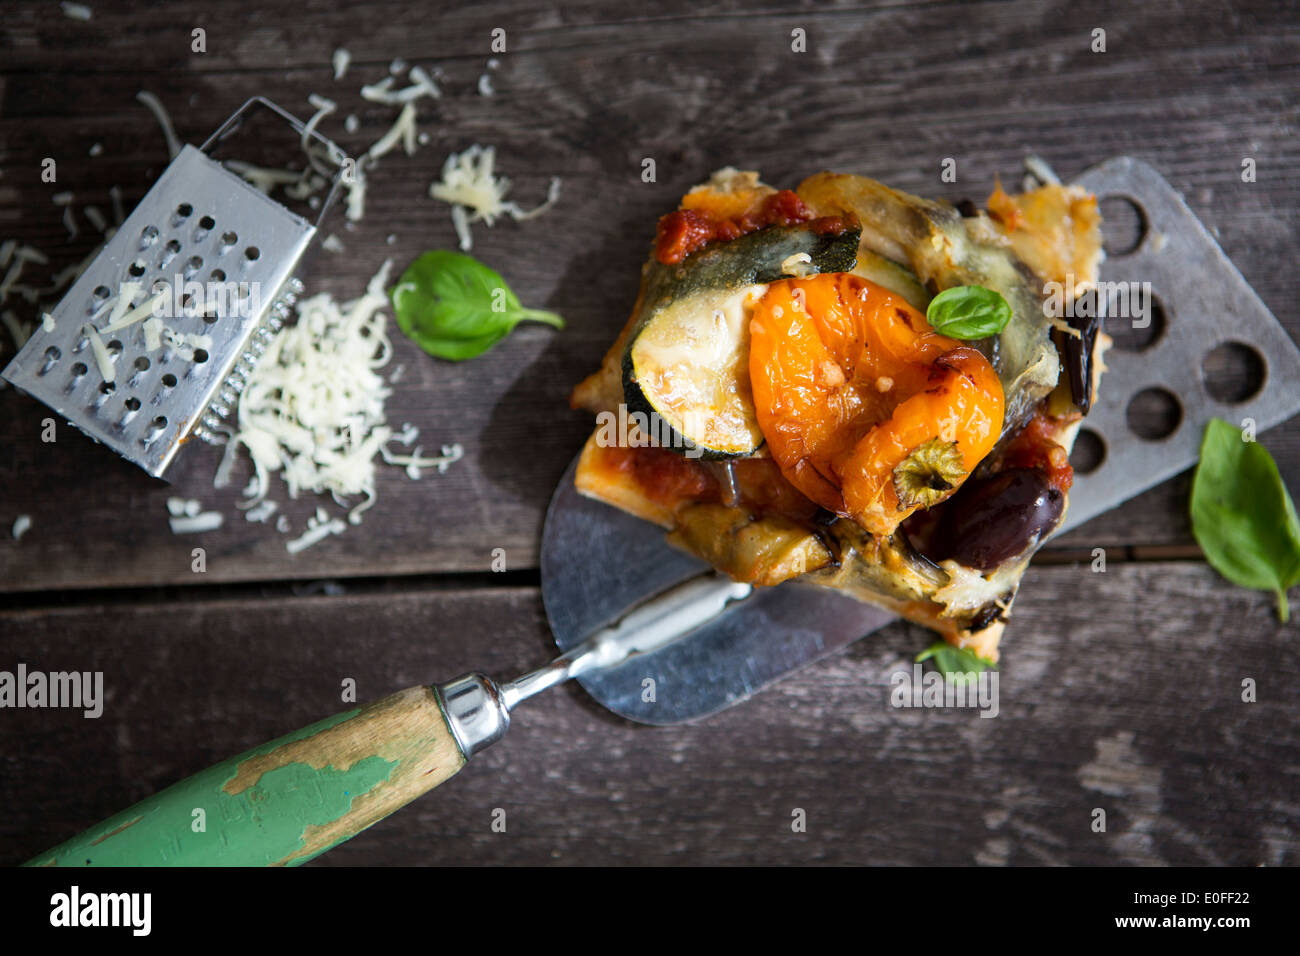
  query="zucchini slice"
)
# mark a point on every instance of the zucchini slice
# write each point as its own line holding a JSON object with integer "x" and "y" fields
{"x": 892, "y": 276}
{"x": 686, "y": 367}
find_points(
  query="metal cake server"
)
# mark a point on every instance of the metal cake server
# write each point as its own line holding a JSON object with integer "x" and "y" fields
{"x": 620, "y": 601}
{"x": 597, "y": 561}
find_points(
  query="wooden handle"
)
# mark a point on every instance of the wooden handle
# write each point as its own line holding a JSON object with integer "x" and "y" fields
{"x": 287, "y": 801}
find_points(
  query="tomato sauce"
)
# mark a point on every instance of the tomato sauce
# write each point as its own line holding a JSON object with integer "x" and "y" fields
{"x": 1035, "y": 448}
{"x": 686, "y": 231}
{"x": 663, "y": 474}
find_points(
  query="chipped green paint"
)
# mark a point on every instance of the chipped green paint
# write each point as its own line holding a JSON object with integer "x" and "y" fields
{"x": 255, "y": 827}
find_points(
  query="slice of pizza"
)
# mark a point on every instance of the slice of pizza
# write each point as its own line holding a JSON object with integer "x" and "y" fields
{"x": 788, "y": 404}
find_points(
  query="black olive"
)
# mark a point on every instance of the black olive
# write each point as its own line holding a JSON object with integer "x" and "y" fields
{"x": 991, "y": 520}
{"x": 967, "y": 209}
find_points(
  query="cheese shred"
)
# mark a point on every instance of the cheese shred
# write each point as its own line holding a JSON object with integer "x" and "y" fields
{"x": 469, "y": 183}
{"x": 313, "y": 409}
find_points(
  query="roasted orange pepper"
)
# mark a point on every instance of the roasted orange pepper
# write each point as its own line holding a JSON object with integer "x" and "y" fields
{"x": 867, "y": 410}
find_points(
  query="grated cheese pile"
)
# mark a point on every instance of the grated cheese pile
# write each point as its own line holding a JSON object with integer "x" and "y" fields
{"x": 470, "y": 183}
{"x": 313, "y": 408}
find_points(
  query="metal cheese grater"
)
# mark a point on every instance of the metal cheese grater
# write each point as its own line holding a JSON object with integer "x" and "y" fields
{"x": 200, "y": 223}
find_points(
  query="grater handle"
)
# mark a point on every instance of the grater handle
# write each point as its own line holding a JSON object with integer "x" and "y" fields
{"x": 336, "y": 153}
{"x": 289, "y": 800}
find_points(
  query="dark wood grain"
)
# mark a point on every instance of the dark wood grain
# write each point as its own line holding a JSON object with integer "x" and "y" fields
{"x": 1119, "y": 690}
{"x": 586, "y": 93}
{"x": 1136, "y": 710}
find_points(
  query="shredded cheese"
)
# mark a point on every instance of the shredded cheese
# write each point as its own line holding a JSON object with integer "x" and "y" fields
{"x": 403, "y": 129}
{"x": 314, "y": 535}
{"x": 382, "y": 92}
{"x": 413, "y": 463}
{"x": 313, "y": 411}
{"x": 165, "y": 121}
{"x": 798, "y": 265}
{"x": 323, "y": 108}
{"x": 261, "y": 513}
{"x": 95, "y": 218}
{"x": 194, "y": 524}
{"x": 313, "y": 408}
{"x": 469, "y": 183}
{"x": 153, "y": 334}
{"x": 260, "y": 177}
{"x": 342, "y": 58}
{"x": 102, "y": 358}
{"x": 135, "y": 315}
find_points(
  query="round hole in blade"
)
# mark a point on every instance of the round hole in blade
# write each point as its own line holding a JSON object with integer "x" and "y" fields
{"x": 1233, "y": 372}
{"x": 1154, "y": 413}
{"x": 1124, "y": 225}
{"x": 1088, "y": 453}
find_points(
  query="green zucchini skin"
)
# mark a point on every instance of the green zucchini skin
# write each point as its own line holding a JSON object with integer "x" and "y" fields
{"x": 754, "y": 258}
{"x": 635, "y": 400}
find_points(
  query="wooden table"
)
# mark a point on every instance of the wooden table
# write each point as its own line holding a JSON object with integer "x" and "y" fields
{"x": 1120, "y": 690}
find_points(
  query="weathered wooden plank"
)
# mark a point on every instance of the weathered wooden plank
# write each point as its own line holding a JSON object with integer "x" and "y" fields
{"x": 1119, "y": 690}
{"x": 889, "y": 91}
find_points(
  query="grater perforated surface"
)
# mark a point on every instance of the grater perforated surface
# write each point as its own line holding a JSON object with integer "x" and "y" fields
{"x": 199, "y": 223}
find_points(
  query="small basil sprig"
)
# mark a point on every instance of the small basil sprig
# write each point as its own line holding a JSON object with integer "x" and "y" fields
{"x": 968, "y": 312}
{"x": 954, "y": 662}
{"x": 1242, "y": 515}
{"x": 455, "y": 307}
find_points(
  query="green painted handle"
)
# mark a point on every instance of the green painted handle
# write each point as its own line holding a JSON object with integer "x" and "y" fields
{"x": 287, "y": 801}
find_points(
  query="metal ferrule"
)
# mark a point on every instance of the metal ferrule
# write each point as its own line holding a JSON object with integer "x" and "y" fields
{"x": 477, "y": 715}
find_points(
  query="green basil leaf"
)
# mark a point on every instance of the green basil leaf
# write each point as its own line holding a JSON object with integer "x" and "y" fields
{"x": 1242, "y": 515}
{"x": 968, "y": 312}
{"x": 454, "y": 307}
{"x": 956, "y": 663}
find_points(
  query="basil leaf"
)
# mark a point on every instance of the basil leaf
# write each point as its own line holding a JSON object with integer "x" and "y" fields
{"x": 454, "y": 307}
{"x": 1242, "y": 515}
{"x": 956, "y": 663}
{"x": 968, "y": 312}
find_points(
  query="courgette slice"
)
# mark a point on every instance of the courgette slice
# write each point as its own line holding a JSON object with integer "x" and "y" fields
{"x": 686, "y": 368}
{"x": 892, "y": 276}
